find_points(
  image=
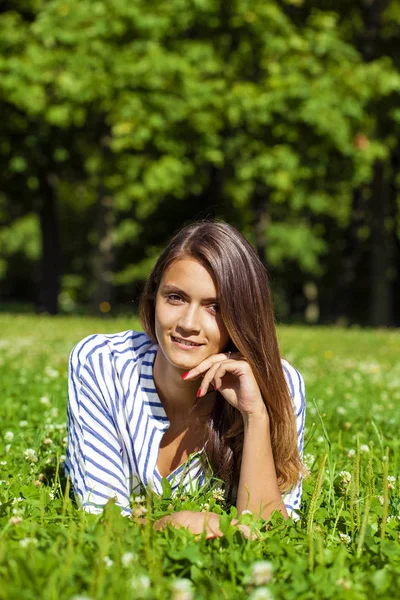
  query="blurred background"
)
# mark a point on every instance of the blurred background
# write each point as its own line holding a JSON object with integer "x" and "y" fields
{"x": 122, "y": 120}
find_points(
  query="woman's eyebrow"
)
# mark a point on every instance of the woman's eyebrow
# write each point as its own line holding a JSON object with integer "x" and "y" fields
{"x": 174, "y": 289}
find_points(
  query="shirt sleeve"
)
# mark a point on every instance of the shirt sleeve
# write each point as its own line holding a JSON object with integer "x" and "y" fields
{"x": 94, "y": 455}
{"x": 295, "y": 382}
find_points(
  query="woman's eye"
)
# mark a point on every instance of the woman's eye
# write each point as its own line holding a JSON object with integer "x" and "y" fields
{"x": 174, "y": 298}
{"x": 214, "y": 308}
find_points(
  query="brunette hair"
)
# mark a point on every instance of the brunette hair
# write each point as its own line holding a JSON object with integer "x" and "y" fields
{"x": 247, "y": 312}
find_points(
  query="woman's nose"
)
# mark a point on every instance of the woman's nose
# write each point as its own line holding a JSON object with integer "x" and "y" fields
{"x": 189, "y": 320}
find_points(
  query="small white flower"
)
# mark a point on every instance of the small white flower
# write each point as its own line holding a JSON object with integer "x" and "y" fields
{"x": 141, "y": 584}
{"x": 346, "y": 539}
{"x": 54, "y": 413}
{"x": 127, "y": 558}
{"x": 8, "y": 436}
{"x": 44, "y": 400}
{"x": 8, "y": 447}
{"x": 392, "y": 518}
{"x": 309, "y": 460}
{"x": 391, "y": 479}
{"x": 62, "y": 458}
{"x": 25, "y": 542}
{"x": 381, "y": 499}
{"x": 364, "y": 448}
{"x": 261, "y": 593}
{"x": 345, "y": 477}
{"x": 16, "y": 500}
{"x": 52, "y": 373}
{"x": 218, "y": 494}
{"x": 108, "y": 562}
{"x": 3, "y": 463}
{"x": 344, "y": 583}
{"x": 139, "y": 511}
{"x": 182, "y": 589}
{"x": 23, "y": 423}
{"x": 15, "y": 520}
{"x": 246, "y": 512}
{"x": 320, "y": 439}
{"x": 340, "y": 410}
{"x": 139, "y": 499}
{"x": 351, "y": 453}
{"x": 30, "y": 455}
{"x": 261, "y": 572}
{"x": 65, "y": 441}
{"x": 205, "y": 507}
{"x": 47, "y": 441}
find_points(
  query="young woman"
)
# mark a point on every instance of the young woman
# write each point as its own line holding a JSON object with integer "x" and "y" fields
{"x": 203, "y": 391}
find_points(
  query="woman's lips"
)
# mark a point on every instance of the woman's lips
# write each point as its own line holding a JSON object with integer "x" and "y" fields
{"x": 185, "y": 344}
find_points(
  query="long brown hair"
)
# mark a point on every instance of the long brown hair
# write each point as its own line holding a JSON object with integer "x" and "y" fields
{"x": 247, "y": 312}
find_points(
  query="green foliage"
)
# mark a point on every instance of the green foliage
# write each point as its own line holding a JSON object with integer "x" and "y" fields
{"x": 345, "y": 545}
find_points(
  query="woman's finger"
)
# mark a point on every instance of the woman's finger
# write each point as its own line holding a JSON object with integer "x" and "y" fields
{"x": 207, "y": 380}
{"x": 209, "y": 362}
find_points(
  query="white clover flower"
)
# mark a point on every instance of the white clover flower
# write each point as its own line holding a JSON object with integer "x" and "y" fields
{"x": 246, "y": 512}
{"x": 54, "y": 413}
{"x": 47, "y": 441}
{"x": 344, "y": 583}
{"x": 309, "y": 460}
{"x": 16, "y": 500}
{"x": 261, "y": 572}
{"x": 8, "y": 436}
{"x": 346, "y": 539}
{"x": 141, "y": 584}
{"x": 44, "y": 400}
{"x": 351, "y": 453}
{"x": 320, "y": 439}
{"x": 52, "y": 373}
{"x": 50, "y": 427}
{"x": 381, "y": 499}
{"x": 218, "y": 494}
{"x": 65, "y": 441}
{"x": 261, "y": 593}
{"x": 23, "y": 423}
{"x": 341, "y": 410}
{"x": 345, "y": 477}
{"x": 8, "y": 448}
{"x": 392, "y": 518}
{"x": 139, "y": 511}
{"x": 391, "y": 479}
{"x": 15, "y": 520}
{"x": 63, "y": 458}
{"x": 30, "y": 455}
{"x": 25, "y": 542}
{"x": 3, "y": 463}
{"x": 364, "y": 448}
{"x": 205, "y": 507}
{"x": 126, "y": 559}
{"x": 139, "y": 499}
{"x": 182, "y": 589}
{"x": 108, "y": 562}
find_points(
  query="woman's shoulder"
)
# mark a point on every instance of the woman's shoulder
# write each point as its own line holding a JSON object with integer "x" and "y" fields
{"x": 295, "y": 383}
{"x": 127, "y": 342}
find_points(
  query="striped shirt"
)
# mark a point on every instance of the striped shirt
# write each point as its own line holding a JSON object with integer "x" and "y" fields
{"x": 116, "y": 422}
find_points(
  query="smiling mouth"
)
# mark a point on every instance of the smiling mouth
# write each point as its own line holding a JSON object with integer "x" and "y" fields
{"x": 185, "y": 342}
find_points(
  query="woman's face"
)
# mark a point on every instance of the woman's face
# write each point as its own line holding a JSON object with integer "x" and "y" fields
{"x": 188, "y": 324}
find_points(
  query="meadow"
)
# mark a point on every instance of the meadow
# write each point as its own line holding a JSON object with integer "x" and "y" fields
{"x": 346, "y": 544}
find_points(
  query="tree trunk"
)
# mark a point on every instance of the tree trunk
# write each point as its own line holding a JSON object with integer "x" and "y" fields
{"x": 381, "y": 252}
{"x": 103, "y": 261}
{"x": 50, "y": 259}
{"x": 260, "y": 224}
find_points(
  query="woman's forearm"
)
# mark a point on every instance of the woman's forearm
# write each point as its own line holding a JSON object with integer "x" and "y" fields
{"x": 258, "y": 486}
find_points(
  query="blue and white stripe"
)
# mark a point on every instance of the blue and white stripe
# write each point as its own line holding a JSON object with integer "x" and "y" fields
{"x": 116, "y": 422}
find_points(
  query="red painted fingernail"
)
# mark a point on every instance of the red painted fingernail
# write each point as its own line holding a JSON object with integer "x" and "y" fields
{"x": 185, "y": 375}
{"x": 198, "y": 392}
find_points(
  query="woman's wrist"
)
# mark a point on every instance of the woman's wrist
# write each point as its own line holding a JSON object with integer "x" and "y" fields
{"x": 258, "y": 418}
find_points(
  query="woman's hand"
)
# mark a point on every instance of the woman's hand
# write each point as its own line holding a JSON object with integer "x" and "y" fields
{"x": 233, "y": 377}
{"x": 197, "y": 522}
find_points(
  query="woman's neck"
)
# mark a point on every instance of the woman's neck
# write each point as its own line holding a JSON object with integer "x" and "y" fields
{"x": 179, "y": 397}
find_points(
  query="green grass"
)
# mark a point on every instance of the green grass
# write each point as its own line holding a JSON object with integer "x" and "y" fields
{"x": 346, "y": 544}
